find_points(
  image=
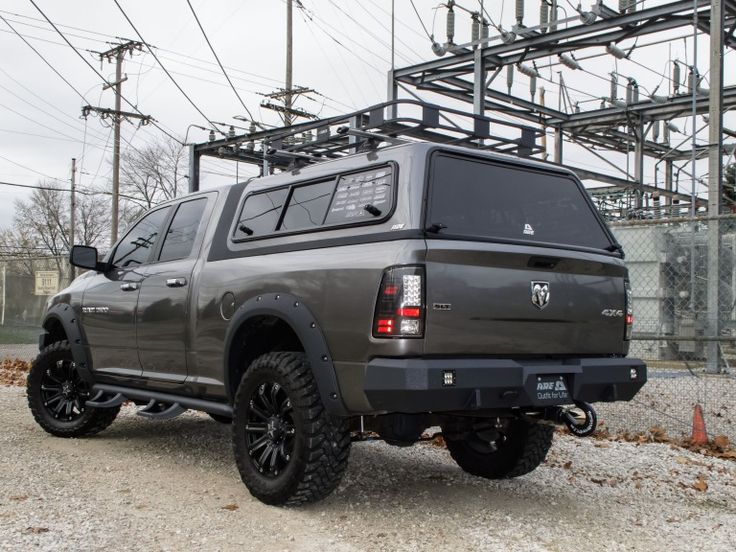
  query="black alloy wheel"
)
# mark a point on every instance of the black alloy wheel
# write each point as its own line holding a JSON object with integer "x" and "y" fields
{"x": 58, "y": 395}
{"x": 63, "y": 391}
{"x": 269, "y": 429}
{"x": 288, "y": 449}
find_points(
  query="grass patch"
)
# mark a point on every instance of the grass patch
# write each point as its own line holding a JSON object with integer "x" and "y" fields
{"x": 21, "y": 335}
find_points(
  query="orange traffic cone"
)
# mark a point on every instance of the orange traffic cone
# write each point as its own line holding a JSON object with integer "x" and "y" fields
{"x": 699, "y": 436}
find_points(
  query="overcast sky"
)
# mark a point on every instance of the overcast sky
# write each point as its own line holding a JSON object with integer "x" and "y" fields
{"x": 341, "y": 49}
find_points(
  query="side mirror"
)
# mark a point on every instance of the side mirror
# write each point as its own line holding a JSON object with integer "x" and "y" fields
{"x": 84, "y": 256}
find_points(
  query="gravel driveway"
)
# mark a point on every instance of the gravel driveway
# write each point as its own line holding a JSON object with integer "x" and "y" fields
{"x": 173, "y": 486}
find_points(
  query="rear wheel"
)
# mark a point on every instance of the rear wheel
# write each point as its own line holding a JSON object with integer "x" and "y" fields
{"x": 57, "y": 395}
{"x": 288, "y": 449}
{"x": 498, "y": 450}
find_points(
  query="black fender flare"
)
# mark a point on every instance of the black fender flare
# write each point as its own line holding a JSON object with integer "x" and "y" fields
{"x": 69, "y": 320}
{"x": 295, "y": 313}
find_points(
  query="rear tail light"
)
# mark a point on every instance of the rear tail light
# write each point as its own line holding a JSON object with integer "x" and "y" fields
{"x": 400, "y": 305}
{"x": 629, "y": 311}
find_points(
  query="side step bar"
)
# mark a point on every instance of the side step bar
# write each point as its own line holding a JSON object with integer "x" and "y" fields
{"x": 175, "y": 404}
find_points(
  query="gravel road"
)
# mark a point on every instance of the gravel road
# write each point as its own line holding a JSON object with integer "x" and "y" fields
{"x": 173, "y": 485}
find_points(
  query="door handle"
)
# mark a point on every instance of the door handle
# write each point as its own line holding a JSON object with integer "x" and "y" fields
{"x": 176, "y": 282}
{"x": 129, "y": 286}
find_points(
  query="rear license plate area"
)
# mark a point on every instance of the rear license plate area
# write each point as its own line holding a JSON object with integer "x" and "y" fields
{"x": 550, "y": 389}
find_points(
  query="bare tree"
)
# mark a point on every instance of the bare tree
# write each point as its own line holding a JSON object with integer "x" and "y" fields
{"x": 41, "y": 226}
{"x": 153, "y": 173}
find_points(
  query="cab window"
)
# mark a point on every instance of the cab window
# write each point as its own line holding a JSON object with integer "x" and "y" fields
{"x": 179, "y": 239}
{"x": 135, "y": 248}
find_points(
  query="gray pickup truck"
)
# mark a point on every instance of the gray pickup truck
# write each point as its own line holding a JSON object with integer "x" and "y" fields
{"x": 382, "y": 293}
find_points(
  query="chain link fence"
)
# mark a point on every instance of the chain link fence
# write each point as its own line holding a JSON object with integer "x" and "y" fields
{"x": 683, "y": 282}
{"x": 684, "y": 318}
{"x": 26, "y": 283}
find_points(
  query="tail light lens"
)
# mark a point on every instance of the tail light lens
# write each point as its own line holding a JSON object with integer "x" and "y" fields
{"x": 629, "y": 311}
{"x": 400, "y": 305}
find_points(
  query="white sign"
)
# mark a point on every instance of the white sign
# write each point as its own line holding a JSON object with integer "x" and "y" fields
{"x": 47, "y": 282}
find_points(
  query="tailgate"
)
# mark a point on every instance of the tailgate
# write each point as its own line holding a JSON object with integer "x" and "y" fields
{"x": 498, "y": 299}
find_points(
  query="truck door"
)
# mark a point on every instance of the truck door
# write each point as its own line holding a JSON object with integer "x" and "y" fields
{"x": 163, "y": 303}
{"x": 109, "y": 303}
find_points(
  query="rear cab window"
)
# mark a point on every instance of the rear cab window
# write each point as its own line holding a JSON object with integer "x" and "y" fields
{"x": 478, "y": 199}
{"x": 345, "y": 199}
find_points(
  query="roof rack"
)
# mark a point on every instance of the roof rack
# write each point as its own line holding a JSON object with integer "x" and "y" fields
{"x": 390, "y": 123}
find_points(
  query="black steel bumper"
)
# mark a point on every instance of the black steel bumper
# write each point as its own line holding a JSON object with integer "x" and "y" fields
{"x": 443, "y": 385}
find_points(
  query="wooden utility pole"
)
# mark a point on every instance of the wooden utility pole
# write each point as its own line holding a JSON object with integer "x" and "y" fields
{"x": 288, "y": 100}
{"x": 72, "y": 215}
{"x": 289, "y": 94}
{"x": 116, "y": 54}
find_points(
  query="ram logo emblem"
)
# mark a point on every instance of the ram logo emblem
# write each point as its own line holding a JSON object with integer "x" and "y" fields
{"x": 540, "y": 294}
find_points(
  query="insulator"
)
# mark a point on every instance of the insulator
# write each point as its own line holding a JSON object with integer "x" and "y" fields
{"x": 632, "y": 6}
{"x": 532, "y": 86}
{"x": 656, "y": 98}
{"x": 690, "y": 84}
{"x": 484, "y": 31}
{"x": 438, "y": 49}
{"x": 543, "y": 16}
{"x": 526, "y": 70}
{"x": 673, "y": 127}
{"x": 450, "y": 22}
{"x": 474, "y": 28}
{"x": 614, "y": 86}
{"x": 252, "y": 128}
{"x": 231, "y": 132}
{"x": 635, "y": 93}
{"x": 520, "y": 11}
{"x": 618, "y": 103}
{"x": 587, "y": 17}
{"x": 569, "y": 61}
{"x": 676, "y": 78}
{"x": 623, "y": 5}
{"x": 507, "y": 37}
{"x": 655, "y": 131}
{"x": 509, "y": 77}
{"x": 702, "y": 91}
{"x": 307, "y": 137}
{"x": 212, "y": 136}
{"x": 553, "y": 16}
{"x": 615, "y": 51}
{"x": 577, "y": 107}
{"x": 629, "y": 93}
{"x": 665, "y": 134}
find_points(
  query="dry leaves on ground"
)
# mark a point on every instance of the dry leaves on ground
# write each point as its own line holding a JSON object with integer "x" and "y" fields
{"x": 13, "y": 372}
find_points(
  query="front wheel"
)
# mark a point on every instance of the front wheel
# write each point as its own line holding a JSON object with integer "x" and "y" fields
{"x": 288, "y": 449}
{"x": 57, "y": 395}
{"x": 498, "y": 449}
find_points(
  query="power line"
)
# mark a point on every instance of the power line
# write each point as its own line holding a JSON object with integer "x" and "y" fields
{"x": 173, "y": 80}
{"x": 206, "y": 38}
{"x": 93, "y": 69}
{"x": 429, "y": 36}
{"x": 44, "y": 59}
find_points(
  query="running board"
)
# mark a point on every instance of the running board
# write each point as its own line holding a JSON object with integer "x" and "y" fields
{"x": 169, "y": 399}
{"x": 98, "y": 402}
{"x": 156, "y": 410}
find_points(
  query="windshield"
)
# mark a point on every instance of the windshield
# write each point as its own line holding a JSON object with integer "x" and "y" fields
{"x": 476, "y": 198}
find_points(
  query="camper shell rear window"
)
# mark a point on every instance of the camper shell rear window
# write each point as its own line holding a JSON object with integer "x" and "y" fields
{"x": 480, "y": 199}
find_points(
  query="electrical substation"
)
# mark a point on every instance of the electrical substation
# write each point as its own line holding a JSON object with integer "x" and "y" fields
{"x": 669, "y": 211}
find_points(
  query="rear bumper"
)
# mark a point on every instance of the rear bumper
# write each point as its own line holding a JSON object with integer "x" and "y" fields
{"x": 418, "y": 385}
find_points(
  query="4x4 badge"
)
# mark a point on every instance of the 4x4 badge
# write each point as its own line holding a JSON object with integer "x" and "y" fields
{"x": 540, "y": 294}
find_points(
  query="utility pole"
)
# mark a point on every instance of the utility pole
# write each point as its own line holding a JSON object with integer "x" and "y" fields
{"x": 715, "y": 183}
{"x": 72, "y": 216}
{"x": 288, "y": 95}
{"x": 116, "y": 54}
{"x": 289, "y": 54}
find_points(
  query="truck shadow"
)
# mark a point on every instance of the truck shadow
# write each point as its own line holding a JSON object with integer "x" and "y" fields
{"x": 423, "y": 475}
